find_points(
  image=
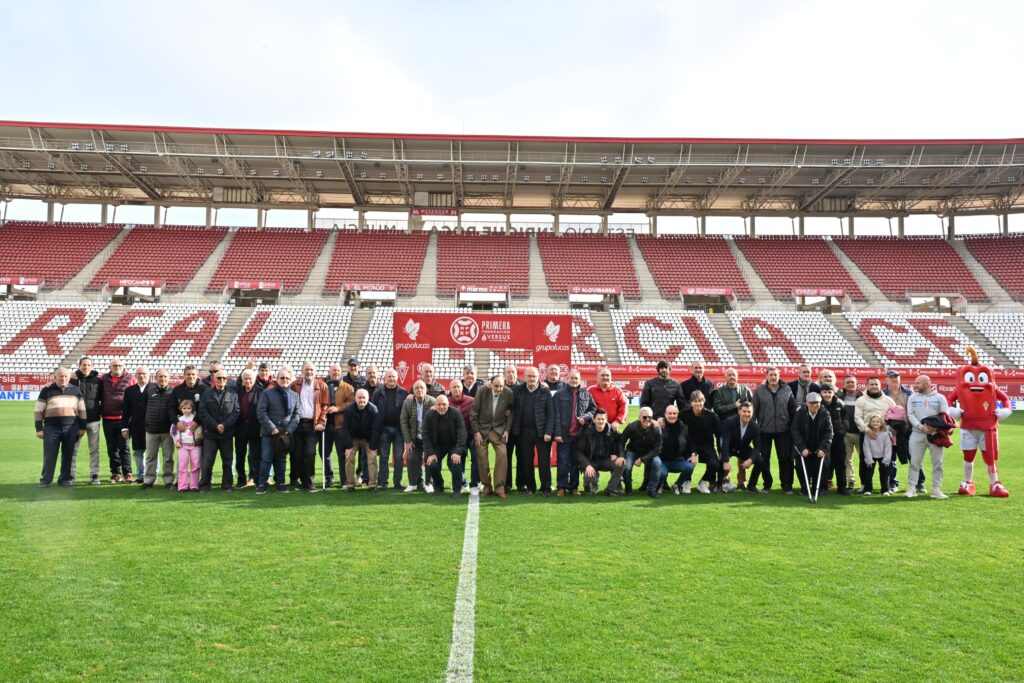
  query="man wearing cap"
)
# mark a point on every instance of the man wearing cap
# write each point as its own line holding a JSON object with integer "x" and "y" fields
{"x": 899, "y": 394}
{"x": 353, "y": 377}
{"x": 812, "y": 443}
{"x": 833, "y": 405}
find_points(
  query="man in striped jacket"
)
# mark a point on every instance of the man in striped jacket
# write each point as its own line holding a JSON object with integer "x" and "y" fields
{"x": 60, "y": 423}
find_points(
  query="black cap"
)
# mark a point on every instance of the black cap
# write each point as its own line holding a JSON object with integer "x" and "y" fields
{"x": 828, "y": 387}
{"x": 892, "y": 373}
{"x": 353, "y": 361}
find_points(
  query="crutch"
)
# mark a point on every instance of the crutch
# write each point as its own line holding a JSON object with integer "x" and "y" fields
{"x": 817, "y": 482}
{"x": 807, "y": 483}
{"x": 323, "y": 459}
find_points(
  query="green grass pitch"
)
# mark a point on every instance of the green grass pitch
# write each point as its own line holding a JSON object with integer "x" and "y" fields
{"x": 111, "y": 583}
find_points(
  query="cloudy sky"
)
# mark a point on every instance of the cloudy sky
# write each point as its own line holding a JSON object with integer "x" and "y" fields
{"x": 760, "y": 69}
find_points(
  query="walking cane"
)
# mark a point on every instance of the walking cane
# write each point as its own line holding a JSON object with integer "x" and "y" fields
{"x": 323, "y": 459}
{"x": 807, "y": 483}
{"x": 817, "y": 482}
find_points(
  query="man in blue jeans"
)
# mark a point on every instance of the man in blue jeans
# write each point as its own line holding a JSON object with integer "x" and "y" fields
{"x": 60, "y": 419}
{"x": 574, "y": 408}
{"x": 389, "y": 398}
{"x": 278, "y": 413}
{"x": 642, "y": 440}
{"x": 674, "y": 456}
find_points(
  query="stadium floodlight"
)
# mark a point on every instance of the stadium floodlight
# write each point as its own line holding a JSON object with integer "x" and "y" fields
{"x": 76, "y": 146}
{"x": 109, "y": 168}
{"x": 316, "y": 154}
{"x": 687, "y": 180}
{"x": 743, "y": 181}
{"x": 419, "y": 176}
{"x": 650, "y": 160}
{"x": 710, "y": 179}
{"x": 604, "y": 179}
{"x": 870, "y": 181}
{"x": 547, "y": 179}
{"x": 329, "y": 154}
{"x": 584, "y": 179}
{"x": 363, "y": 155}
{"x": 348, "y": 154}
{"x": 815, "y": 181}
{"x": 470, "y": 177}
{"x": 319, "y": 173}
{"x": 220, "y": 171}
{"x": 88, "y": 147}
{"x": 50, "y": 165}
{"x": 362, "y": 174}
{"x": 26, "y": 164}
{"x": 109, "y": 147}
{"x": 276, "y": 173}
{"x": 604, "y": 159}
{"x": 643, "y": 179}
{"x": 252, "y": 171}
{"x": 200, "y": 170}
{"x": 494, "y": 178}
{"x": 124, "y": 148}
{"x": 383, "y": 175}
{"x": 618, "y": 158}
{"x": 526, "y": 178}
{"x": 761, "y": 180}
{"x": 879, "y": 162}
{"x": 440, "y": 176}
{"x": 144, "y": 168}
{"x": 835, "y": 161}
{"x": 83, "y": 167}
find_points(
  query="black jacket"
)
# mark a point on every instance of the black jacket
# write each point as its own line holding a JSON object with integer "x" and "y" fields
{"x": 659, "y": 394}
{"x": 747, "y": 446}
{"x": 586, "y": 445}
{"x": 215, "y": 410}
{"x": 704, "y": 386}
{"x": 794, "y": 386}
{"x": 361, "y": 424}
{"x": 675, "y": 441}
{"x": 133, "y": 415}
{"x": 640, "y": 441}
{"x": 432, "y": 435}
{"x": 704, "y": 431}
{"x": 182, "y": 393}
{"x": 837, "y": 411}
{"x": 158, "y": 408}
{"x": 253, "y": 421}
{"x": 89, "y": 385}
{"x": 814, "y": 434}
{"x": 543, "y": 410}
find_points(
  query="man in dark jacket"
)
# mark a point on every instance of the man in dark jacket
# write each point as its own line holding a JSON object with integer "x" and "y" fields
{"x": 88, "y": 382}
{"x": 158, "y": 407}
{"x": 675, "y": 453}
{"x": 361, "y": 428}
{"x": 697, "y": 382}
{"x": 60, "y": 422}
{"x": 774, "y": 406}
{"x": 533, "y": 422}
{"x": 470, "y": 384}
{"x": 247, "y": 430}
{"x": 812, "y": 442}
{"x": 353, "y": 377}
{"x": 573, "y": 409}
{"x": 444, "y": 435}
{"x": 803, "y": 385}
{"x": 218, "y": 413}
{"x": 599, "y": 448}
{"x": 190, "y": 388}
{"x": 641, "y": 441}
{"x": 832, "y": 405}
{"x": 553, "y": 379}
{"x": 705, "y": 431}
{"x": 741, "y": 439}
{"x": 113, "y": 386}
{"x": 661, "y": 391}
{"x": 133, "y": 421}
{"x": 389, "y": 398}
{"x": 278, "y": 415}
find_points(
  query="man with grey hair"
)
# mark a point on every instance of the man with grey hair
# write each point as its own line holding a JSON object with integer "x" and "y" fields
{"x": 389, "y": 399}
{"x": 313, "y": 404}
{"x": 434, "y": 388}
{"x": 133, "y": 421}
{"x": 925, "y": 402}
{"x": 803, "y": 385}
{"x": 88, "y": 382}
{"x": 113, "y": 386}
{"x": 774, "y": 406}
{"x": 470, "y": 384}
{"x": 278, "y": 414}
{"x": 361, "y": 429}
{"x": 533, "y": 424}
{"x": 414, "y": 412}
{"x": 160, "y": 411}
{"x": 60, "y": 420}
{"x": 247, "y": 430}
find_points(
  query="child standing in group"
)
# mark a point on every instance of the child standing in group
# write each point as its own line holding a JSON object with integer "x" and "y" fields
{"x": 877, "y": 450}
{"x": 189, "y": 441}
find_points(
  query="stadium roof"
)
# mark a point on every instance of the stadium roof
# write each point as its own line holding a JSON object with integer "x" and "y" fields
{"x": 174, "y": 165}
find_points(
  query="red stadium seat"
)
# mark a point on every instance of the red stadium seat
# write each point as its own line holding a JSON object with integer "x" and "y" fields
{"x": 593, "y": 260}
{"x": 483, "y": 259}
{"x": 55, "y": 252}
{"x": 391, "y": 258}
{"x": 172, "y": 252}
{"x": 1003, "y": 257}
{"x": 785, "y": 263}
{"x": 285, "y": 254}
{"x": 679, "y": 261}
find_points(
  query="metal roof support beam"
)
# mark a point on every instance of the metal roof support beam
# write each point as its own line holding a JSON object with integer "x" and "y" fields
{"x": 347, "y": 172}
{"x": 900, "y": 227}
{"x": 849, "y": 225}
{"x": 564, "y": 176}
{"x": 950, "y": 226}
{"x": 147, "y": 187}
{"x": 179, "y": 166}
{"x": 66, "y": 164}
{"x": 511, "y": 173}
{"x": 620, "y": 175}
{"x": 238, "y": 169}
{"x": 658, "y": 198}
{"x": 402, "y": 169}
{"x": 290, "y": 167}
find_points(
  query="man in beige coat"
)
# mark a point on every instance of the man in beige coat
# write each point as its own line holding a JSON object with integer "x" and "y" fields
{"x": 491, "y": 419}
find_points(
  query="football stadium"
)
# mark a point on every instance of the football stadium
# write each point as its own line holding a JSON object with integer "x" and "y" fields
{"x": 311, "y": 404}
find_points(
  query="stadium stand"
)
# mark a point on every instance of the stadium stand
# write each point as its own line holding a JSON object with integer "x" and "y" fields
{"x": 678, "y": 261}
{"x": 172, "y": 252}
{"x": 593, "y": 260}
{"x": 53, "y": 252}
{"x": 285, "y": 254}
{"x": 291, "y": 334}
{"x": 377, "y": 258}
{"x": 915, "y": 339}
{"x": 1005, "y": 331}
{"x": 496, "y": 260}
{"x": 36, "y": 336}
{"x": 645, "y": 337}
{"x": 789, "y": 338}
{"x": 785, "y": 263}
{"x": 161, "y": 336}
{"x": 1003, "y": 257}
{"x": 917, "y": 264}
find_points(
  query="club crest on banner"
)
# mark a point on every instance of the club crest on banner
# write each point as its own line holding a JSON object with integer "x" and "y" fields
{"x": 465, "y": 331}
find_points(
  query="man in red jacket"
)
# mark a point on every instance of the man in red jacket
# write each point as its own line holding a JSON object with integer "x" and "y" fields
{"x": 610, "y": 398}
{"x": 111, "y": 401}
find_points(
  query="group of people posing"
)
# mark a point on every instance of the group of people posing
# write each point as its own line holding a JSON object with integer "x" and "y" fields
{"x": 268, "y": 428}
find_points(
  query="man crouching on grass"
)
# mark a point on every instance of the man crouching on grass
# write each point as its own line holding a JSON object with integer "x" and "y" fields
{"x": 600, "y": 448}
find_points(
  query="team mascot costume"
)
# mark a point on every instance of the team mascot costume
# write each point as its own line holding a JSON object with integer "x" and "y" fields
{"x": 979, "y": 405}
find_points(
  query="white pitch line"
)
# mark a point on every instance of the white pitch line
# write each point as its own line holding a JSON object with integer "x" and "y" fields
{"x": 460, "y": 660}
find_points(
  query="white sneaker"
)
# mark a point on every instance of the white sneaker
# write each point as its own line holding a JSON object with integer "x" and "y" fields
{"x": 939, "y": 495}
{"x": 703, "y": 487}
{"x": 686, "y": 487}
{"x": 677, "y": 489}
{"x": 465, "y": 487}
{"x": 410, "y": 489}
{"x": 895, "y": 489}
{"x": 886, "y": 493}
{"x": 728, "y": 487}
{"x": 429, "y": 488}
{"x": 911, "y": 493}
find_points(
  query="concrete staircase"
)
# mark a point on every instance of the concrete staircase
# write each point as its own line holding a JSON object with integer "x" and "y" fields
{"x": 229, "y": 330}
{"x": 728, "y": 333}
{"x": 197, "y": 287}
{"x": 78, "y": 283}
{"x": 538, "y": 283}
{"x": 975, "y": 335}
{"x": 763, "y": 297}
{"x": 606, "y": 335}
{"x": 996, "y": 294}
{"x": 357, "y": 333}
{"x": 426, "y": 289}
{"x": 648, "y": 287}
{"x": 105, "y": 322}
{"x": 318, "y": 273}
{"x": 874, "y": 294}
{"x": 844, "y": 327}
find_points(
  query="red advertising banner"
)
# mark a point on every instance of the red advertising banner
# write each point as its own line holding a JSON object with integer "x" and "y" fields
{"x": 595, "y": 289}
{"x": 432, "y": 211}
{"x": 368, "y": 287}
{"x": 15, "y": 280}
{"x": 820, "y": 291}
{"x": 705, "y": 291}
{"x": 254, "y": 284}
{"x": 483, "y": 289}
{"x": 415, "y": 335}
{"x": 134, "y": 282}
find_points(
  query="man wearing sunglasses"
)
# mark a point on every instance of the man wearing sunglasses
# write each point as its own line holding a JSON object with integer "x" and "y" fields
{"x": 219, "y": 410}
{"x": 642, "y": 441}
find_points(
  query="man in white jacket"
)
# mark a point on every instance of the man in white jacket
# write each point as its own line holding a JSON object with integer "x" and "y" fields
{"x": 925, "y": 402}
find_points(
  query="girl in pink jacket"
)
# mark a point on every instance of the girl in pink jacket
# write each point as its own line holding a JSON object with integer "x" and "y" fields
{"x": 189, "y": 441}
